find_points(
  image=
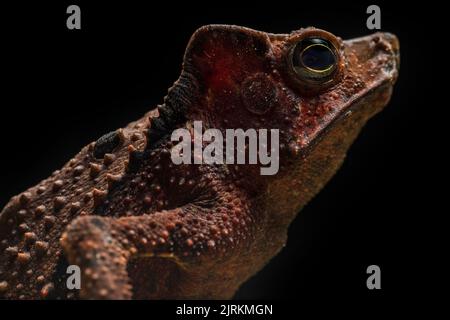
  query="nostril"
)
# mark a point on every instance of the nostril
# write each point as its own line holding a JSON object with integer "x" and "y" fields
{"x": 392, "y": 40}
{"x": 376, "y": 39}
{"x": 388, "y": 44}
{"x": 394, "y": 47}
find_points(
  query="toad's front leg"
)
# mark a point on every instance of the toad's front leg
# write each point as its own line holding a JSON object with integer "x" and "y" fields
{"x": 208, "y": 242}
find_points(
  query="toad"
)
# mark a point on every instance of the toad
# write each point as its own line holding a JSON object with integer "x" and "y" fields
{"x": 141, "y": 227}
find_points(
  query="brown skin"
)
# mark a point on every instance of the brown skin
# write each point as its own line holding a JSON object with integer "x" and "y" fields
{"x": 141, "y": 227}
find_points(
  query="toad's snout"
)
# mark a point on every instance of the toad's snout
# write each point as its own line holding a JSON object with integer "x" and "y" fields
{"x": 379, "y": 53}
{"x": 391, "y": 45}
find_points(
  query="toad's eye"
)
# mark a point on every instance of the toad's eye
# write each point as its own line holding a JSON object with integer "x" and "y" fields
{"x": 314, "y": 60}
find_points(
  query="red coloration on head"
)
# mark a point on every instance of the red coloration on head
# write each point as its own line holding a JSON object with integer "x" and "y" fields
{"x": 223, "y": 64}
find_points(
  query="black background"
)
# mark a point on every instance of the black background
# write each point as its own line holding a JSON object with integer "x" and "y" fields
{"x": 65, "y": 88}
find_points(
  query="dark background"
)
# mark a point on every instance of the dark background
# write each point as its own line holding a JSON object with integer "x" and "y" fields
{"x": 62, "y": 89}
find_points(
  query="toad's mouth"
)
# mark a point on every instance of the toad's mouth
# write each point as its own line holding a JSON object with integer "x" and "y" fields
{"x": 359, "y": 109}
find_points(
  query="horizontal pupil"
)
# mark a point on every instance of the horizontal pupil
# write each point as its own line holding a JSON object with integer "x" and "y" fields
{"x": 317, "y": 57}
